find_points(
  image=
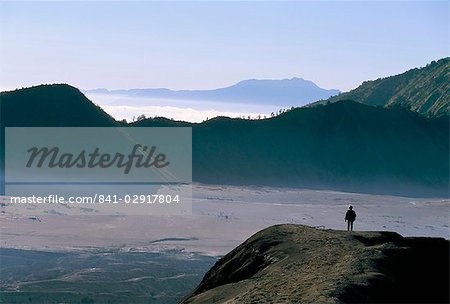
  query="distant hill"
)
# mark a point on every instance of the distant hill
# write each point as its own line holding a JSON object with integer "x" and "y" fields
{"x": 343, "y": 145}
{"x": 300, "y": 264}
{"x": 424, "y": 90}
{"x": 285, "y": 93}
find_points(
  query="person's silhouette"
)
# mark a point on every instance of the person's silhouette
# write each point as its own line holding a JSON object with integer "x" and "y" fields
{"x": 350, "y": 217}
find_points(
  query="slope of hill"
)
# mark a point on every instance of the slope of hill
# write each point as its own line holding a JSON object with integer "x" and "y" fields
{"x": 285, "y": 92}
{"x": 423, "y": 90}
{"x": 300, "y": 264}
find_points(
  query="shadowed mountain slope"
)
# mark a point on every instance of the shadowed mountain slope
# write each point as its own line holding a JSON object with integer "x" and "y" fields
{"x": 344, "y": 145}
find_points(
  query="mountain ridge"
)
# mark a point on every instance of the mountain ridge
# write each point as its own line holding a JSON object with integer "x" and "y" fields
{"x": 341, "y": 146}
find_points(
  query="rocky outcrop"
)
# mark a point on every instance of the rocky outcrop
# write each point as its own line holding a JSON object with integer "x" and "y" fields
{"x": 300, "y": 264}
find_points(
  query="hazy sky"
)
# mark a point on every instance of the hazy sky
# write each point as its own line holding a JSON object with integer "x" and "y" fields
{"x": 198, "y": 45}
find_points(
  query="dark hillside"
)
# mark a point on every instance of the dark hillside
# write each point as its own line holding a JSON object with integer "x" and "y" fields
{"x": 343, "y": 145}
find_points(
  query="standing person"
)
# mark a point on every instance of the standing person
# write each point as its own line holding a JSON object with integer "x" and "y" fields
{"x": 350, "y": 217}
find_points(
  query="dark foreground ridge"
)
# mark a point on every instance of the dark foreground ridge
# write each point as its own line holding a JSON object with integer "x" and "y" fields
{"x": 300, "y": 264}
{"x": 345, "y": 146}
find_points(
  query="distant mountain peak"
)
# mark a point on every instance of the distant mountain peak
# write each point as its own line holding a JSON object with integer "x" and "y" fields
{"x": 286, "y": 92}
{"x": 301, "y": 82}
